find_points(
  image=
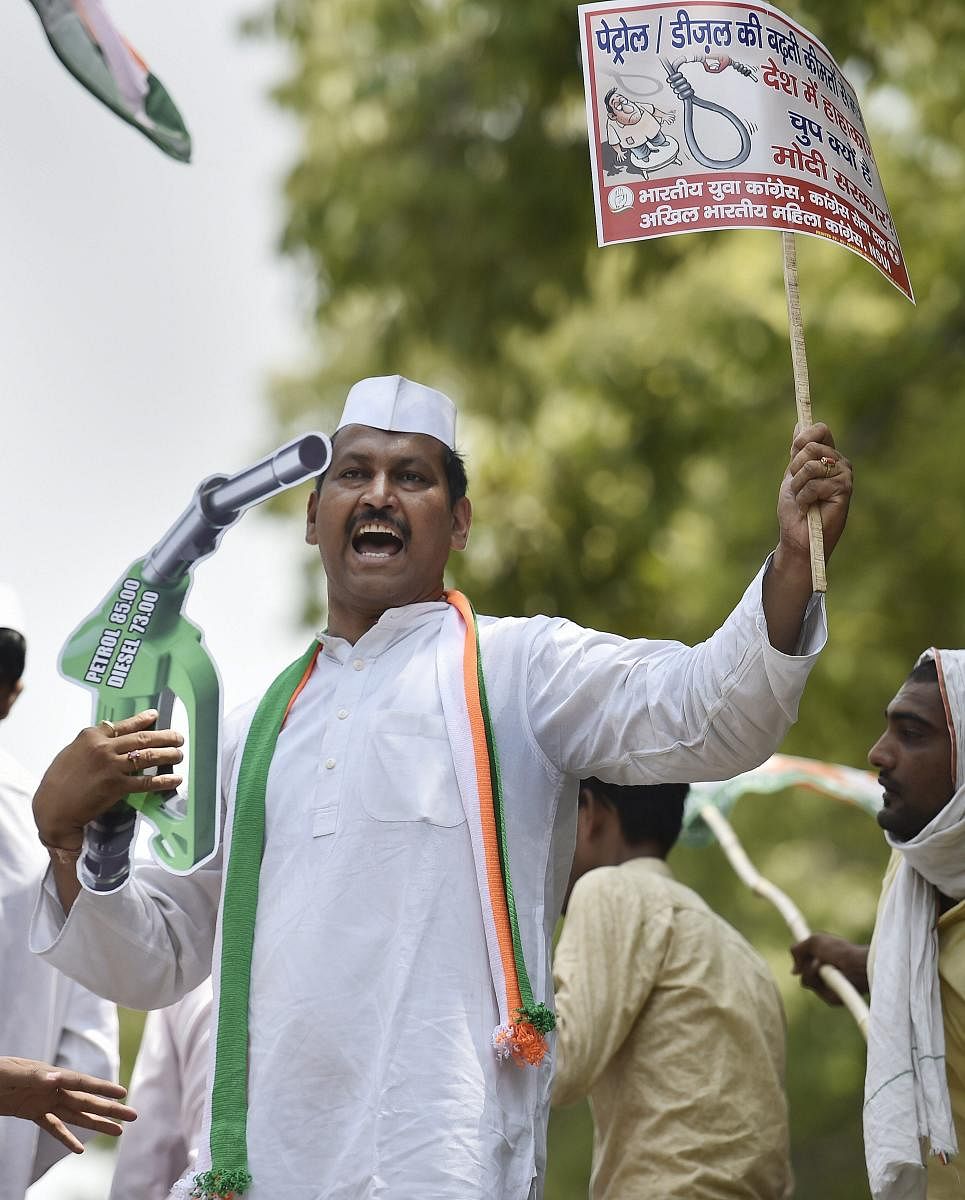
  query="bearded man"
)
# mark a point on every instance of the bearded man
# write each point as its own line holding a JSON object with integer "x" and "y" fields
{"x": 915, "y": 964}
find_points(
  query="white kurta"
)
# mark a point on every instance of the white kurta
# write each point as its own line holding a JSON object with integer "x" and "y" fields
{"x": 168, "y": 1089}
{"x": 371, "y": 1068}
{"x": 43, "y": 1014}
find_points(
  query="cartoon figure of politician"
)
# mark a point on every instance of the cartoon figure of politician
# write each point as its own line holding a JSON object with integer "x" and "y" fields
{"x": 633, "y": 131}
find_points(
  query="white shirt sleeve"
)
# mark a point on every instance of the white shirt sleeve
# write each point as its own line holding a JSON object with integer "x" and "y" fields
{"x": 168, "y": 1090}
{"x": 144, "y": 946}
{"x": 641, "y": 711}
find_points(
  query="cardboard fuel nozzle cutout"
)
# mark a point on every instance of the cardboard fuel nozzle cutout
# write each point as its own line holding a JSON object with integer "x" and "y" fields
{"x": 138, "y": 651}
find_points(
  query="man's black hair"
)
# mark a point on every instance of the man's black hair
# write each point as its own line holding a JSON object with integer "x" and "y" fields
{"x": 452, "y": 463}
{"x": 925, "y": 672}
{"x": 647, "y": 812}
{"x": 13, "y": 656}
{"x": 607, "y": 98}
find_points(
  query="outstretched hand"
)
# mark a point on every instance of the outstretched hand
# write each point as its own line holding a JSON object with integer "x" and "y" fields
{"x": 49, "y": 1097}
{"x": 819, "y": 474}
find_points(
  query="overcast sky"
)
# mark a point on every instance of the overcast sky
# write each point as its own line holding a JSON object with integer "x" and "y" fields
{"x": 142, "y": 307}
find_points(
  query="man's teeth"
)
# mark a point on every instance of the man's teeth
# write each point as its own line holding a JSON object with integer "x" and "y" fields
{"x": 378, "y": 550}
{"x": 374, "y": 527}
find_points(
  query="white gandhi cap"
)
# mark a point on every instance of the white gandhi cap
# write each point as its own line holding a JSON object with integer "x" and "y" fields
{"x": 398, "y": 405}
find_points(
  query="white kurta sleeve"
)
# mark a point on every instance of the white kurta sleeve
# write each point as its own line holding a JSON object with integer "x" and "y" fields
{"x": 88, "y": 1044}
{"x": 150, "y": 942}
{"x": 143, "y": 946}
{"x": 641, "y": 711}
{"x": 152, "y": 1153}
{"x": 168, "y": 1089}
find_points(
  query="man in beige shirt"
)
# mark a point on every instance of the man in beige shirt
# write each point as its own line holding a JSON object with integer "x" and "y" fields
{"x": 667, "y": 1019}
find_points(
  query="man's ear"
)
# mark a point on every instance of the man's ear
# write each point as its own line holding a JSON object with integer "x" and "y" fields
{"x": 590, "y": 815}
{"x": 461, "y": 523}
{"x": 311, "y": 537}
{"x": 9, "y": 693}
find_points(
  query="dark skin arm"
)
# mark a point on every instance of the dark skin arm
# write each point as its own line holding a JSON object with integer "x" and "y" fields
{"x": 787, "y": 584}
{"x": 88, "y": 777}
{"x": 49, "y": 1097}
{"x": 850, "y": 959}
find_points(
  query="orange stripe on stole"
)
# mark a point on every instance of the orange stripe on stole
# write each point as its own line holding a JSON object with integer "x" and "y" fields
{"x": 487, "y": 811}
{"x": 301, "y": 684}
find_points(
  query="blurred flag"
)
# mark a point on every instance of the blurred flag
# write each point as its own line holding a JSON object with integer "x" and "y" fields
{"x": 88, "y": 44}
{"x": 852, "y": 786}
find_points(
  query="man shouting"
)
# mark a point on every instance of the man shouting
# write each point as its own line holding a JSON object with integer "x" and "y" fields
{"x": 400, "y": 820}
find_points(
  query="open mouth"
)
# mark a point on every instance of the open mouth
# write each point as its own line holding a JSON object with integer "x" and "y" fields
{"x": 376, "y": 539}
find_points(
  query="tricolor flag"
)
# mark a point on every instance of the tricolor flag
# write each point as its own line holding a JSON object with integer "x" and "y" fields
{"x": 88, "y": 44}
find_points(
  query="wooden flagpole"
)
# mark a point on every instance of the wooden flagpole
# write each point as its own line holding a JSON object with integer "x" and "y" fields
{"x": 748, "y": 873}
{"x": 802, "y": 396}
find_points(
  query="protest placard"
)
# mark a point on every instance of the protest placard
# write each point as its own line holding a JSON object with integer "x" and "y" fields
{"x": 727, "y": 116}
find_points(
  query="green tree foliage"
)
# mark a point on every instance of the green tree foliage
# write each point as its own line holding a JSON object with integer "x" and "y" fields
{"x": 627, "y": 410}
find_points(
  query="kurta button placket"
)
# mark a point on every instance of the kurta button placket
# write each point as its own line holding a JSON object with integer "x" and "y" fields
{"x": 332, "y": 749}
{"x": 329, "y": 962}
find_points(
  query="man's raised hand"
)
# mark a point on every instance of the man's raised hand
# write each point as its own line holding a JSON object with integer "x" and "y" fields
{"x": 99, "y": 767}
{"x": 817, "y": 473}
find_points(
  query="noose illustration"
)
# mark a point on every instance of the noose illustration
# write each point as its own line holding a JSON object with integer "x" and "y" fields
{"x": 686, "y": 94}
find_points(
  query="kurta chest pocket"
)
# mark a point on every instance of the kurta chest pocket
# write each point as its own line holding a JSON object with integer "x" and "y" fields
{"x": 410, "y": 776}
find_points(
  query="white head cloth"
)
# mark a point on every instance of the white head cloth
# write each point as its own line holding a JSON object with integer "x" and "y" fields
{"x": 11, "y": 611}
{"x": 906, "y": 1088}
{"x": 398, "y": 405}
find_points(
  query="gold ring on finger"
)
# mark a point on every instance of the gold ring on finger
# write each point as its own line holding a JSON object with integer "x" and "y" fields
{"x": 134, "y": 757}
{"x": 111, "y": 731}
{"x": 830, "y": 467}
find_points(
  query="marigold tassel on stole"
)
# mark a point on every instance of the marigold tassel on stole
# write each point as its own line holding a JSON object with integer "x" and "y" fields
{"x": 542, "y": 1019}
{"x": 221, "y": 1185}
{"x": 521, "y": 1034}
{"x": 526, "y": 1040}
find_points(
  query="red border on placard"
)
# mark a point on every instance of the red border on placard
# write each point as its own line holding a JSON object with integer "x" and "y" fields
{"x": 895, "y": 272}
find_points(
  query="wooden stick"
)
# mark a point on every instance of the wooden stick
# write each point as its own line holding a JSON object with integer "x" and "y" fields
{"x": 748, "y": 873}
{"x": 802, "y": 396}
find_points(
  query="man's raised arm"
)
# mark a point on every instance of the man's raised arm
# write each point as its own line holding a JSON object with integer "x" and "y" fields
{"x": 647, "y": 711}
{"x": 816, "y": 474}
